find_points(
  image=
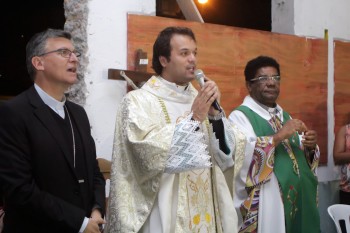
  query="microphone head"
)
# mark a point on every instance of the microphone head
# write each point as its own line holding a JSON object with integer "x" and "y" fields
{"x": 199, "y": 74}
{"x": 199, "y": 77}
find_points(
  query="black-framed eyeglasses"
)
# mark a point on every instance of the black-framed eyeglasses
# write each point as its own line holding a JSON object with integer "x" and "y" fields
{"x": 66, "y": 53}
{"x": 265, "y": 78}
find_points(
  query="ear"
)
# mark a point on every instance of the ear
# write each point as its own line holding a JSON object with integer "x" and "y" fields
{"x": 38, "y": 63}
{"x": 248, "y": 85}
{"x": 163, "y": 61}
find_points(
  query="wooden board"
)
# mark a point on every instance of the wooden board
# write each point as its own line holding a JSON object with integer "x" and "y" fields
{"x": 341, "y": 84}
{"x": 223, "y": 52}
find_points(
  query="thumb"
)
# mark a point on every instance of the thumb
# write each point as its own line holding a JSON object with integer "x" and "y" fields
{"x": 100, "y": 221}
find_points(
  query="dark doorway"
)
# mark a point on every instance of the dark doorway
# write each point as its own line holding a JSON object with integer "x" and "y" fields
{"x": 22, "y": 19}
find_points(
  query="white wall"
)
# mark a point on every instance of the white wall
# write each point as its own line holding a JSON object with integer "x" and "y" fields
{"x": 282, "y": 16}
{"x": 107, "y": 42}
{"x": 313, "y": 16}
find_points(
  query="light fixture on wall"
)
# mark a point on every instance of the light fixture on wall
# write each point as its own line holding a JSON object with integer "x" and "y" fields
{"x": 190, "y": 11}
{"x": 202, "y": 1}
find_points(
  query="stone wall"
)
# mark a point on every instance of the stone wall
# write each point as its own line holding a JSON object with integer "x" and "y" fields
{"x": 76, "y": 13}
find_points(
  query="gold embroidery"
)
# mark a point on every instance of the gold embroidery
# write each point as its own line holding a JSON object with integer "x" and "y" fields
{"x": 292, "y": 198}
{"x": 200, "y": 199}
{"x": 196, "y": 219}
{"x": 162, "y": 104}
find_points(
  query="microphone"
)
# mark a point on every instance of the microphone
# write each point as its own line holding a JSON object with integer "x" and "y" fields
{"x": 200, "y": 79}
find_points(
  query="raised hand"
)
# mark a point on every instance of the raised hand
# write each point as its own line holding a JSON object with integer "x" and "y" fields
{"x": 201, "y": 106}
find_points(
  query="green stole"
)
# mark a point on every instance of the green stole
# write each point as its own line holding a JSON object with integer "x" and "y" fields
{"x": 299, "y": 193}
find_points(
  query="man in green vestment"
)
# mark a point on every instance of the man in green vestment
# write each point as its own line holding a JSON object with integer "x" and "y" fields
{"x": 276, "y": 185}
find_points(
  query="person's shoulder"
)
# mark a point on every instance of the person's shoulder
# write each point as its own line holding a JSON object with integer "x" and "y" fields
{"x": 138, "y": 92}
{"x": 16, "y": 110}
{"x": 342, "y": 131}
{"x": 74, "y": 105}
{"x": 16, "y": 103}
{"x": 77, "y": 111}
{"x": 139, "y": 95}
{"x": 344, "y": 128}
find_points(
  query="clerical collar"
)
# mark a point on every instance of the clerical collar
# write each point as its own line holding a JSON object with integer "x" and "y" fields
{"x": 172, "y": 85}
{"x": 54, "y": 104}
{"x": 273, "y": 111}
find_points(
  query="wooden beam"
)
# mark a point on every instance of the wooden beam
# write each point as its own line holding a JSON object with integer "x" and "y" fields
{"x": 135, "y": 76}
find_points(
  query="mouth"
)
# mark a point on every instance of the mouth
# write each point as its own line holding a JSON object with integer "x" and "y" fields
{"x": 191, "y": 69}
{"x": 72, "y": 70}
{"x": 271, "y": 92}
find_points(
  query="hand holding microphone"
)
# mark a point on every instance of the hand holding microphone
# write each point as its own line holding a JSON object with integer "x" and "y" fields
{"x": 205, "y": 103}
{"x": 200, "y": 79}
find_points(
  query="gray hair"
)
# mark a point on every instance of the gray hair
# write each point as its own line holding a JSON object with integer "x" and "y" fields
{"x": 37, "y": 44}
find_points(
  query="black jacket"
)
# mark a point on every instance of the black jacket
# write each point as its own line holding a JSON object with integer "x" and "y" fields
{"x": 39, "y": 184}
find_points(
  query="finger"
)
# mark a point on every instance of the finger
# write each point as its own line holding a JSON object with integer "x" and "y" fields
{"x": 206, "y": 79}
{"x": 308, "y": 141}
{"x": 303, "y": 127}
{"x": 311, "y": 139}
{"x": 299, "y": 126}
{"x": 209, "y": 90}
{"x": 101, "y": 221}
{"x": 209, "y": 93}
{"x": 310, "y": 133}
{"x": 212, "y": 98}
{"x": 213, "y": 93}
{"x": 205, "y": 86}
{"x": 309, "y": 136}
{"x": 203, "y": 98}
{"x": 311, "y": 146}
{"x": 209, "y": 85}
{"x": 93, "y": 226}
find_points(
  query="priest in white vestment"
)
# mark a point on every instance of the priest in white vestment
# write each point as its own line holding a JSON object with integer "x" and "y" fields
{"x": 173, "y": 156}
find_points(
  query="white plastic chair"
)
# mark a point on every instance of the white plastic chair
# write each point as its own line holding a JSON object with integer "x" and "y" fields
{"x": 340, "y": 212}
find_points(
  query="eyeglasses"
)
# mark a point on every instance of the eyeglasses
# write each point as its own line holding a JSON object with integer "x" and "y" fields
{"x": 66, "y": 53}
{"x": 265, "y": 78}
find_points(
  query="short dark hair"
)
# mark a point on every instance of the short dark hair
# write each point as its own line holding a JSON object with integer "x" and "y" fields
{"x": 36, "y": 45}
{"x": 258, "y": 62}
{"x": 161, "y": 46}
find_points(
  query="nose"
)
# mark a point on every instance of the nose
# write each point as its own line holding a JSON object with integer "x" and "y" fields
{"x": 192, "y": 57}
{"x": 271, "y": 81}
{"x": 73, "y": 58}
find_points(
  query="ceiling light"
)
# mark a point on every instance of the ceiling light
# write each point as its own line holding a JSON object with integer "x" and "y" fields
{"x": 202, "y": 1}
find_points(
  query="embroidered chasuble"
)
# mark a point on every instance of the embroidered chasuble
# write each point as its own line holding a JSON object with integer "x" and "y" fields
{"x": 168, "y": 173}
{"x": 286, "y": 168}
